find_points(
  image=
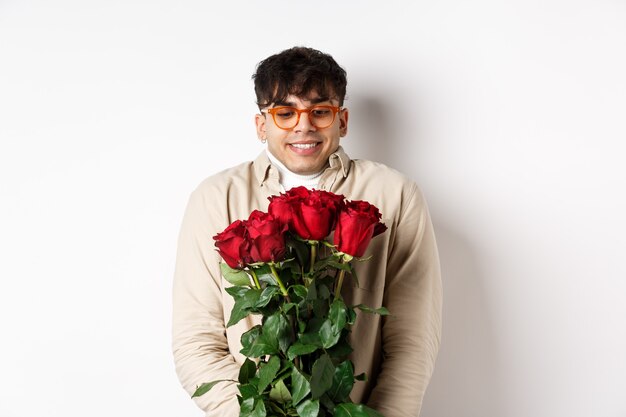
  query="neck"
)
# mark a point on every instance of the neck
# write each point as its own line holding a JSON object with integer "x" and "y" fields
{"x": 289, "y": 179}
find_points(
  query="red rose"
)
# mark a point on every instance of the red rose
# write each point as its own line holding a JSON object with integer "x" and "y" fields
{"x": 311, "y": 214}
{"x": 281, "y": 206}
{"x": 233, "y": 245}
{"x": 267, "y": 239}
{"x": 358, "y": 223}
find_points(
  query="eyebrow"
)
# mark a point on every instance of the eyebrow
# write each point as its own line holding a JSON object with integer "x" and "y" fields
{"x": 292, "y": 104}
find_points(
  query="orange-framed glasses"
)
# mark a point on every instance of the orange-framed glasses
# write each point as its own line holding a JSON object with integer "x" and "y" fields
{"x": 287, "y": 118}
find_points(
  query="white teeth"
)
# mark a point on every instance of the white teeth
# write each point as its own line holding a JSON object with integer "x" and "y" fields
{"x": 304, "y": 145}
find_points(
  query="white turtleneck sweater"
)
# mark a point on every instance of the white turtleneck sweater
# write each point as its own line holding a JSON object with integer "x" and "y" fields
{"x": 289, "y": 179}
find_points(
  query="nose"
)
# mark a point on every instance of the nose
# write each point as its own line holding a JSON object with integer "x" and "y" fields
{"x": 304, "y": 124}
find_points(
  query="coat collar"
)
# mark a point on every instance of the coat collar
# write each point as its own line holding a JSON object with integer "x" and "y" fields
{"x": 339, "y": 161}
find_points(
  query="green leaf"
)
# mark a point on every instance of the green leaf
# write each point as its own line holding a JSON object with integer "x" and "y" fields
{"x": 328, "y": 336}
{"x": 328, "y": 404}
{"x": 293, "y": 266}
{"x": 322, "y": 376}
{"x": 355, "y": 278}
{"x": 299, "y": 349}
{"x": 361, "y": 377}
{"x": 301, "y": 325}
{"x": 234, "y": 276}
{"x": 321, "y": 264}
{"x": 277, "y": 411}
{"x": 312, "y": 336}
{"x": 267, "y": 372}
{"x": 280, "y": 392}
{"x": 247, "y": 371}
{"x": 355, "y": 410}
{"x": 251, "y": 297}
{"x": 243, "y": 305}
{"x": 247, "y": 406}
{"x": 259, "y": 347}
{"x": 206, "y": 387}
{"x": 285, "y": 370}
{"x": 301, "y": 249}
{"x": 300, "y": 386}
{"x": 308, "y": 408}
{"x": 299, "y": 290}
{"x": 236, "y": 292}
{"x": 259, "y": 410}
{"x": 338, "y": 315}
{"x": 343, "y": 381}
{"x": 277, "y": 331}
{"x": 343, "y": 266}
{"x": 288, "y": 306}
{"x": 320, "y": 308}
{"x": 248, "y": 337}
{"x": 381, "y": 310}
{"x": 323, "y": 292}
{"x": 313, "y": 325}
{"x": 311, "y": 292}
{"x": 264, "y": 274}
{"x": 342, "y": 348}
{"x": 266, "y": 296}
{"x": 248, "y": 390}
{"x": 238, "y": 312}
{"x": 284, "y": 338}
{"x": 351, "y": 315}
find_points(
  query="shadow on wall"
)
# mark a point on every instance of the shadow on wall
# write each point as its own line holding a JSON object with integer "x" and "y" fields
{"x": 466, "y": 381}
{"x": 371, "y": 130}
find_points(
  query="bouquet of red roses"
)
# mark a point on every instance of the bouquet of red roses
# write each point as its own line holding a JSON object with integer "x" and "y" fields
{"x": 282, "y": 267}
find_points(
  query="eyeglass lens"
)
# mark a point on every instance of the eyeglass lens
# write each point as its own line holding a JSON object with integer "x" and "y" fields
{"x": 288, "y": 117}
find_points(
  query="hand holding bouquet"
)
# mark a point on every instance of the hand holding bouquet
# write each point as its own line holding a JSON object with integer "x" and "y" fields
{"x": 296, "y": 359}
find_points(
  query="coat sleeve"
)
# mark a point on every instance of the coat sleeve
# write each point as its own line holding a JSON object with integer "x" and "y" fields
{"x": 413, "y": 295}
{"x": 199, "y": 343}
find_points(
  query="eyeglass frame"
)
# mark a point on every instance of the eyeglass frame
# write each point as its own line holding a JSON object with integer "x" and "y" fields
{"x": 274, "y": 110}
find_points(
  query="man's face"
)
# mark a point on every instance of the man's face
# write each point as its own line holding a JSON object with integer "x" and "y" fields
{"x": 305, "y": 149}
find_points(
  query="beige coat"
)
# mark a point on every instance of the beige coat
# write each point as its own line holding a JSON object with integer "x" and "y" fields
{"x": 397, "y": 352}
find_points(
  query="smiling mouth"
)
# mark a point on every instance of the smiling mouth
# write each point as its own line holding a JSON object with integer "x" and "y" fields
{"x": 304, "y": 145}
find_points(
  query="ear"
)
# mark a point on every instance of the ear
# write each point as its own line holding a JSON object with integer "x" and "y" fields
{"x": 259, "y": 120}
{"x": 343, "y": 122}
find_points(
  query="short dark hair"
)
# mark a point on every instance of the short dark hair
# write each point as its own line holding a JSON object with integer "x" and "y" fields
{"x": 298, "y": 71}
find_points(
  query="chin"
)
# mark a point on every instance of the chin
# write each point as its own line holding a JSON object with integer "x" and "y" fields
{"x": 302, "y": 171}
{"x": 305, "y": 170}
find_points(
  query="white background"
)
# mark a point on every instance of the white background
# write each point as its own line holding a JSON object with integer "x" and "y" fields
{"x": 510, "y": 116}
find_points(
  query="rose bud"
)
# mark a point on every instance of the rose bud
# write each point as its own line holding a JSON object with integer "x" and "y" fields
{"x": 233, "y": 245}
{"x": 281, "y": 206}
{"x": 358, "y": 223}
{"x": 310, "y": 214}
{"x": 267, "y": 237}
{"x": 316, "y": 215}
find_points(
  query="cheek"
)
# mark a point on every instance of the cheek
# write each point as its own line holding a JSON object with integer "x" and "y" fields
{"x": 275, "y": 143}
{"x": 333, "y": 139}
{"x": 275, "y": 133}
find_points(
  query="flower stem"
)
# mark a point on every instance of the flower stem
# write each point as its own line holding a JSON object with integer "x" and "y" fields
{"x": 342, "y": 273}
{"x": 280, "y": 283}
{"x": 313, "y": 255}
{"x": 256, "y": 280}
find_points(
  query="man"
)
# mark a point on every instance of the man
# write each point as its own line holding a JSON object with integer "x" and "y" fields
{"x": 300, "y": 94}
